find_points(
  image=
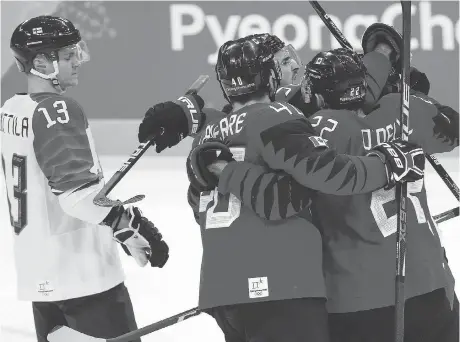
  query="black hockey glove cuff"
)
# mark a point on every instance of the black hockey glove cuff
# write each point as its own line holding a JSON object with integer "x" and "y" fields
{"x": 201, "y": 157}
{"x": 404, "y": 161}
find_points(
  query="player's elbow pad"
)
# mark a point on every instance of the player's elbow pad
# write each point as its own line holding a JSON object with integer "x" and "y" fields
{"x": 78, "y": 203}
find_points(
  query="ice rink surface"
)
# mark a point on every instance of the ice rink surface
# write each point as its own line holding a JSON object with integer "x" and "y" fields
{"x": 160, "y": 293}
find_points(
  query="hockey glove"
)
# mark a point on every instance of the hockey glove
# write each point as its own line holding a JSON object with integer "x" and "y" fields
{"x": 138, "y": 236}
{"x": 201, "y": 159}
{"x": 167, "y": 123}
{"x": 419, "y": 81}
{"x": 446, "y": 124}
{"x": 404, "y": 161}
{"x": 382, "y": 33}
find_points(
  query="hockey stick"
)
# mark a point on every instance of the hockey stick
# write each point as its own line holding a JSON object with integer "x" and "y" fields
{"x": 401, "y": 188}
{"x": 447, "y": 215}
{"x": 66, "y": 334}
{"x": 346, "y": 44}
{"x": 330, "y": 25}
{"x": 101, "y": 198}
{"x": 444, "y": 175}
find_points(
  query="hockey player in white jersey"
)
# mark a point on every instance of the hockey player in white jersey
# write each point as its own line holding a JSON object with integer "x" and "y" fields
{"x": 65, "y": 247}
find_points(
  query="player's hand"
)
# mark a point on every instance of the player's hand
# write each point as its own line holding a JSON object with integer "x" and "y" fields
{"x": 139, "y": 238}
{"x": 381, "y": 33}
{"x": 202, "y": 159}
{"x": 159, "y": 250}
{"x": 170, "y": 122}
{"x": 446, "y": 124}
{"x": 419, "y": 81}
{"x": 404, "y": 161}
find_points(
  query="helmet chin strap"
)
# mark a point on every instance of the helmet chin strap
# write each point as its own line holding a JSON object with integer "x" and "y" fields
{"x": 52, "y": 77}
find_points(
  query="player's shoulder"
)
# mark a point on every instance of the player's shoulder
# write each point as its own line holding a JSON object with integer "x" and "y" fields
{"x": 57, "y": 110}
{"x": 276, "y": 118}
{"x": 421, "y": 97}
{"x": 287, "y": 92}
{"x": 417, "y": 101}
{"x": 277, "y": 110}
{"x": 341, "y": 119}
{"x": 336, "y": 114}
{"x": 213, "y": 114}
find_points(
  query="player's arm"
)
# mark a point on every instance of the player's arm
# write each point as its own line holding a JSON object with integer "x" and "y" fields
{"x": 382, "y": 46}
{"x": 292, "y": 145}
{"x": 272, "y": 195}
{"x": 289, "y": 143}
{"x": 64, "y": 153}
{"x": 436, "y": 127}
{"x": 378, "y": 68}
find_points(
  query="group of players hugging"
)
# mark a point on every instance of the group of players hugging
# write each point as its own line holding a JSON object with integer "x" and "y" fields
{"x": 292, "y": 184}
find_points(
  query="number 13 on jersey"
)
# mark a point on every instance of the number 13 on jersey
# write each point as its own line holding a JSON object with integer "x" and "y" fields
{"x": 224, "y": 209}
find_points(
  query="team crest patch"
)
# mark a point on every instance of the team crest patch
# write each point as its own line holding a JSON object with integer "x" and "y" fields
{"x": 318, "y": 141}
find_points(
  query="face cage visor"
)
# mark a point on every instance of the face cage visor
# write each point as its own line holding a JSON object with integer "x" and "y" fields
{"x": 288, "y": 56}
{"x": 81, "y": 51}
{"x": 289, "y": 51}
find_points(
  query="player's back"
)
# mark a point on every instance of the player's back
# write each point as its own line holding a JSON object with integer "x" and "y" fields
{"x": 245, "y": 258}
{"x": 57, "y": 255}
{"x": 360, "y": 236}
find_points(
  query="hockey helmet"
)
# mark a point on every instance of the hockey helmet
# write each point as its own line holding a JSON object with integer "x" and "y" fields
{"x": 339, "y": 76}
{"x": 245, "y": 66}
{"x": 46, "y": 35}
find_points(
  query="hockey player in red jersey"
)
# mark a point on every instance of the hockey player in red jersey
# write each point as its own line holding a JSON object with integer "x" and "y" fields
{"x": 359, "y": 237}
{"x": 254, "y": 294}
{"x": 66, "y": 256}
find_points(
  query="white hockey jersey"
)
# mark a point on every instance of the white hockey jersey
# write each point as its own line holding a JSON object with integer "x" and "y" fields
{"x": 51, "y": 174}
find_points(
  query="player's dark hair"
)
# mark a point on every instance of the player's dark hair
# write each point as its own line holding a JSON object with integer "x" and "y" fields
{"x": 339, "y": 76}
{"x": 246, "y": 66}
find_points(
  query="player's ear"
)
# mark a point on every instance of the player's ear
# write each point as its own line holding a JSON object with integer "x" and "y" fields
{"x": 41, "y": 63}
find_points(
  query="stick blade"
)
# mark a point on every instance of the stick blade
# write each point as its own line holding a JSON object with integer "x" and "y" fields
{"x": 109, "y": 203}
{"x": 66, "y": 334}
